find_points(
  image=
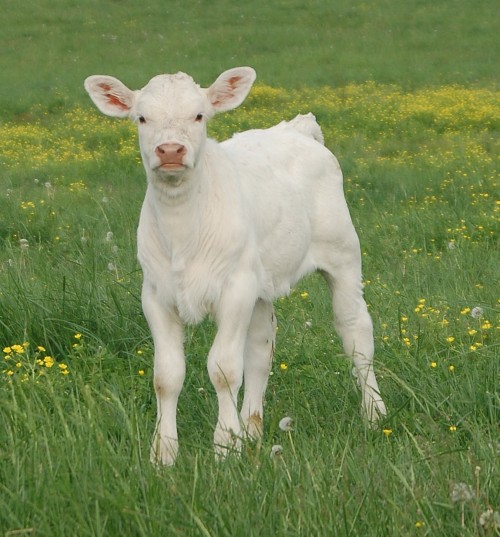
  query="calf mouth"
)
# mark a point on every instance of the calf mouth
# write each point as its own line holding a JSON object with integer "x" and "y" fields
{"x": 171, "y": 166}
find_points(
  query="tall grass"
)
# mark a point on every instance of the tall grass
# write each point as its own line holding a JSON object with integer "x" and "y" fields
{"x": 420, "y": 156}
{"x": 77, "y": 405}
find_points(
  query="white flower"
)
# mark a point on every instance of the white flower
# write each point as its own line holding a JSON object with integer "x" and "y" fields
{"x": 285, "y": 424}
{"x": 476, "y": 312}
{"x": 24, "y": 244}
{"x": 276, "y": 451}
{"x": 490, "y": 520}
{"x": 461, "y": 493}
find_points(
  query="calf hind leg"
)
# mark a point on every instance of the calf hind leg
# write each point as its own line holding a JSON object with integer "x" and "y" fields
{"x": 354, "y": 326}
{"x": 259, "y": 350}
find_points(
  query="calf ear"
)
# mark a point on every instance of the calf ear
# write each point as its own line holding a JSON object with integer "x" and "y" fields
{"x": 110, "y": 95}
{"x": 231, "y": 88}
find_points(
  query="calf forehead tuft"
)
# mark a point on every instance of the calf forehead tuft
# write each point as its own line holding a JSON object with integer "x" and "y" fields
{"x": 163, "y": 83}
{"x": 171, "y": 94}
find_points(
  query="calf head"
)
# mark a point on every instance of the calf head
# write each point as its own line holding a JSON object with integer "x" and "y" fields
{"x": 171, "y": 112}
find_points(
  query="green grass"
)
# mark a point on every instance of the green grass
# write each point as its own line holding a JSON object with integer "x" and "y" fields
{"x": 420, "y": 159}
{"x": 47, "y": 52}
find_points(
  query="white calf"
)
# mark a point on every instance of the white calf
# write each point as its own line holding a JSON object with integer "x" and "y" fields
{"x": 225, "y": 229}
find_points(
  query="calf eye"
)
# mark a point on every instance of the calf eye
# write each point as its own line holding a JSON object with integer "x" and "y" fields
{"x": 141, "y": 119}
{"x": 199, "y": 117}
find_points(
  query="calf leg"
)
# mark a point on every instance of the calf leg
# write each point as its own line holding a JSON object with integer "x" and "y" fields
{"x": 354, "y": 326}
{"x": 225, "y": 360}
{"x": 169, "y": 372}
{"x": 259, "y": 350}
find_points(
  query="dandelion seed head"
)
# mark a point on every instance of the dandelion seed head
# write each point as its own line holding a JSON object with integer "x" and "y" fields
{"x": 461, "y": 493}
{"x": 24, "y": 244}
{"x": 109, "y": 236}
{"x": 490, "y": 520}
{"x": 276, "y": 451}
{"x": 476, "y": 312}
{"x": 285, "y": 424}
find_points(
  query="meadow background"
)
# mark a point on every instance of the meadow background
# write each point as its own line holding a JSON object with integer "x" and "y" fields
{"x": 407, "y": 95}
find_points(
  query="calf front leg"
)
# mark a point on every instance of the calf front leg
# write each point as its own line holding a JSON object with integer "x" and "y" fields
{"x": 225, "y": 360}
{"x": 169, "y": 372}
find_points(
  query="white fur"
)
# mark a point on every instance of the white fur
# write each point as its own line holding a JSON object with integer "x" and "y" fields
{"x": 232, "y": 229}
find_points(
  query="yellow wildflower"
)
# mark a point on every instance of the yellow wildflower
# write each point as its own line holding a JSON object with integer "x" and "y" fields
{"x": 48, "y": 361}
{"x": 283, "y": 366}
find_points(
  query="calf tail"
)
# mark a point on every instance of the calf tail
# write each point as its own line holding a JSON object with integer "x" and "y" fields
{"x": 307, "y": 124}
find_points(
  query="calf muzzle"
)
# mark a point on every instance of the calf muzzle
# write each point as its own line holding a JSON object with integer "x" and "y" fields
{"x": 171, "y": 154}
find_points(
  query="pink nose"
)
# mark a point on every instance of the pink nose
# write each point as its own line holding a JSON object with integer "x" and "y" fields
{"x": 170, "y": 153}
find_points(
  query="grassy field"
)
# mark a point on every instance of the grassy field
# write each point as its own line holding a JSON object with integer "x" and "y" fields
{"x": 407, "y": 97}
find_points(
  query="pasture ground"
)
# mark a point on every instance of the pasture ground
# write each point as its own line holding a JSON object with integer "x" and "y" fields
{"x": 406, "y": 95}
